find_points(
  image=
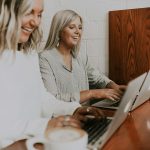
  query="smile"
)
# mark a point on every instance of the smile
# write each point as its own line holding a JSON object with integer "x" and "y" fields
{"x": 76, "y": 37}
{"x": 28, "y": 30}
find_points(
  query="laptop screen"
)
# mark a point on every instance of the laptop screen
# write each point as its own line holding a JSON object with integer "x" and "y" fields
{"x": 144, "y": 93}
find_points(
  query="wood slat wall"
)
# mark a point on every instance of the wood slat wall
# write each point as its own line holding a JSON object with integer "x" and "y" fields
{"x": 129, "y": 44}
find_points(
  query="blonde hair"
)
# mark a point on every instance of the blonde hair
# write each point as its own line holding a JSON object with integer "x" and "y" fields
{"x": 11, "y": 12}
{"x": 60, "y": 20}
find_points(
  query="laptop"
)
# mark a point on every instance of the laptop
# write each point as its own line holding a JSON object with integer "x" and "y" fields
{"x": 144, "y": 93}
{"x": 121, "y": 114}
{"x": 107, "y": 103}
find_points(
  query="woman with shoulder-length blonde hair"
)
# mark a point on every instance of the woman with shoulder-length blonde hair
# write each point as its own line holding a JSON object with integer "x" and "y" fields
{"x": 60, "y": 20}
{"x": 66, "y": 72}
{"x": 25, "y": 106}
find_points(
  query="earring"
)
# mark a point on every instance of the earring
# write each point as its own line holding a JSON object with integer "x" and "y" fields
{"x": 57, "y": 44}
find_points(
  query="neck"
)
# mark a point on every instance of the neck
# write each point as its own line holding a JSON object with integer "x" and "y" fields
{"x": 64, "y": 50}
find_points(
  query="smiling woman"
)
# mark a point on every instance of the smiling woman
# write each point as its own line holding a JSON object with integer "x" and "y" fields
{"x": 66, "y": 72}
{"x": 25, "y": 106}
{"x": 31, "y": 20}
{"x": 14, "y": 33}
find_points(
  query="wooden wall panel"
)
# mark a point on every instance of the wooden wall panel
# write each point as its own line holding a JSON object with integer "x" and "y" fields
{"x": 129, "y": 44}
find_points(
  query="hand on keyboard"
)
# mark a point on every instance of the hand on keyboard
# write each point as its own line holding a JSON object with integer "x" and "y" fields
{"x": 86, "y": 113}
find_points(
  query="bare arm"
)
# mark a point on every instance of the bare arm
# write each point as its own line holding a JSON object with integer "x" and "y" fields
{"x": 99, "y": 94}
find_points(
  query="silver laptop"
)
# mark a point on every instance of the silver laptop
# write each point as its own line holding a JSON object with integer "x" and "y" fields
{"x": 142, "y": 96}
{"x": 144, "y": 93}
{"x": 122, "y": 112}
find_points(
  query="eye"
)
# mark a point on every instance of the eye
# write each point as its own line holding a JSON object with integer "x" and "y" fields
{"x": 71, "y": 27}
{"x": 80, "y": 28}
{"x": 29, "y": 13}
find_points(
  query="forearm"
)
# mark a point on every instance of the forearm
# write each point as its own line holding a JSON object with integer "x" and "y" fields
{"x": 85, "y": 95}
{"x": 56, "y": 107}
{"x": 99, "y": 94}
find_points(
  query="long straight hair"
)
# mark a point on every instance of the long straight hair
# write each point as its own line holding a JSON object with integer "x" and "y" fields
{"x": 60, "y": 20}
{"x": 11, "y": 13}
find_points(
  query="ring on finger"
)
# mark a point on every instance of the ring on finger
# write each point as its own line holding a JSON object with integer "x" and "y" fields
{"x": 88, "y": 109}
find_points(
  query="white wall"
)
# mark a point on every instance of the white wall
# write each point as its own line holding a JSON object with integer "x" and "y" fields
{"x": 95, "y": 16}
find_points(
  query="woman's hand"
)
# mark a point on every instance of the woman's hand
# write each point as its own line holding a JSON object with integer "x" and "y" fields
{"x": 120, "y": 88}
{"x": 62, "y": 121}
{"x": 112, "y": 91}
{"x": 111, "y": 94}
{"x": 85, "y": 113}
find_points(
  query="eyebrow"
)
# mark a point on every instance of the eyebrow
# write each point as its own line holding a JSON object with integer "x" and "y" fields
{"x": 39, "y": 11}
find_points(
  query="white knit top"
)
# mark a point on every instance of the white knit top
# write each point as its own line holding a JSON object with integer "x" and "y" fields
{"x": 25, "y": 106}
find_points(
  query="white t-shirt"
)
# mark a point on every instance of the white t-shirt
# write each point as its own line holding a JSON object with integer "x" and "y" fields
{"x": 25, "y": 106}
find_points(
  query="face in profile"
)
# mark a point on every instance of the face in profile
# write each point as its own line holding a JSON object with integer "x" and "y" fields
{"x": 31, "y": 21}
{"x": 71, "y": 34}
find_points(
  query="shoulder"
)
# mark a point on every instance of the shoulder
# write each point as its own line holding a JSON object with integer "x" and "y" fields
{"x": 44, "y": 53}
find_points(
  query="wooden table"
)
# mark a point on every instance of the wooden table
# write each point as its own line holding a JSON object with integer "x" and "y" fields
{"x": 133, "y": 134}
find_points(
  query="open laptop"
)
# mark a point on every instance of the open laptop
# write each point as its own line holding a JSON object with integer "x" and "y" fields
{"x": 107, "y": 103}
{"x": 144, "y": 93}
{"x": 122, "y": 112}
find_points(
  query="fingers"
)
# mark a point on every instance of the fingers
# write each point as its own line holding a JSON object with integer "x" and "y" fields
{"x": 81, "y": 118}
{"x": 97, "y": 112}
{"x": 87, "y": 113}
{"x": 112, "y": 94}
{"x": 73, "y": 122}
{"x": 63, "y": 121}
{"x": 122, "y": 87}
{"x": 69, "y": 121}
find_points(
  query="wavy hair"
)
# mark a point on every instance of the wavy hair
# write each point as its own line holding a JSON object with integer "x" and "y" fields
{"x": 11, "y": 12}
{"x": 60, "y": 20}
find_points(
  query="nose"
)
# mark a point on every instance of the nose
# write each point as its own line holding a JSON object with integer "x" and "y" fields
{"x": 77, "y": 31}
{"x": 35, "y": 21}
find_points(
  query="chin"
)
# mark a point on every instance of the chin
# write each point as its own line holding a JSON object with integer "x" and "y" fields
{"x": 23, "y": 40}
{"x": 75, "y": 43}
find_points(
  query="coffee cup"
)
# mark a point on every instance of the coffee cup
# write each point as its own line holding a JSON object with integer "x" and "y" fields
{"x": 65, "y": 138}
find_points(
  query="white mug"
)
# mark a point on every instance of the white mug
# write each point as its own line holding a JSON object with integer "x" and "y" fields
{"x": 65, "y": 138}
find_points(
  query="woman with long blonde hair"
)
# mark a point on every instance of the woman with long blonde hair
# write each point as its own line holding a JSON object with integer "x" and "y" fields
{"x": 25, "y": 106}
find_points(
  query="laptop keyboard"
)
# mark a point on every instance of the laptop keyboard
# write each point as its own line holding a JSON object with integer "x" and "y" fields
{"x": 96, "y": 128}
{"x": 116, "y": 104}
{"x": 107, "y": 103}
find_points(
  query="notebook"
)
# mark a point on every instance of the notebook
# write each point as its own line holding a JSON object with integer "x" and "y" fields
{"x": 127, "y": 100}
{"x": 144, "y": 93}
